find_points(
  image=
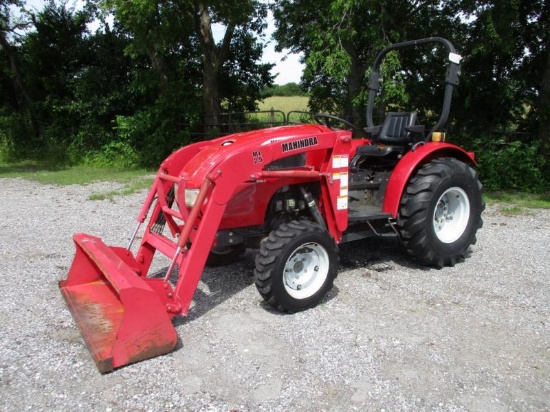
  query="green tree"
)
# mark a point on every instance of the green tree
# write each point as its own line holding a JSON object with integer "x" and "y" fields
{"x": 490, "y": 82}
{"x": 8, "y": 28}
{"x": 68, "y": 86}
{"x": 228, "y": 72}
{"x": 340, "y": 38}
{"x": 505, "y": 88}
{"x": 53, "y": 55}
{"x": 289, "y": 89}
{"x": 78, "y": 81}
{"x": 535, "y": 18}
{"x": 237, "y": 18}
{"x": 17, "y": 104}
{"x": 164, "y": 79}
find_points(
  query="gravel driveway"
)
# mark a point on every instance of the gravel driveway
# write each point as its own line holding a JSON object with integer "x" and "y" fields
{"x": 391, "y": 335}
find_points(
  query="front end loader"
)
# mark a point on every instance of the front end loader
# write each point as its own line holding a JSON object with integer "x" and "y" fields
{"x": 293, "y": 193}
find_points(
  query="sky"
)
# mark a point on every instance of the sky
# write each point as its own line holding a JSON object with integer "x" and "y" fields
{"x": 286, "y": 70}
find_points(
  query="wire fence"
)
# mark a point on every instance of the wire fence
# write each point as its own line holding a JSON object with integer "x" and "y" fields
{"x": 228, "y": 123}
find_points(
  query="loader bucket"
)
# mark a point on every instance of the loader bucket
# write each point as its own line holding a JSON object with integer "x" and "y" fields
{"x": 122, "y": 317}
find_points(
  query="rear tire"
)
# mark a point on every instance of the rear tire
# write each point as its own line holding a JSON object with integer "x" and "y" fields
{"x": 440, "y": 212}
{"x": 296, "y": 266}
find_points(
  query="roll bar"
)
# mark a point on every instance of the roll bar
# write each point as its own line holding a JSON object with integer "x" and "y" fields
{"x": 451, "y": 79}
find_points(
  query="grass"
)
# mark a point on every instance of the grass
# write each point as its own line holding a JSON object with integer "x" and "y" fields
{"x": 133, "y": 180}
{"x": 281, "y": 106}
{"x": 516, "y": 203}
{"x": 130, "y": 187}
{"x": 285, "y": 103}
{"x": 515, "y": 210}
{"x": 68, "y": 175}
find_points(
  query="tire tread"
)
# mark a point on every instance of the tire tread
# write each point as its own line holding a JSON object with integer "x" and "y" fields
{"x": 271, "y": 248}
{"x": 414, "y": 219}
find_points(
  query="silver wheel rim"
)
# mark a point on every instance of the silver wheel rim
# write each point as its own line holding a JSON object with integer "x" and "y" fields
{"x": 306, "y": 270}
{"x": 451, "y": 215}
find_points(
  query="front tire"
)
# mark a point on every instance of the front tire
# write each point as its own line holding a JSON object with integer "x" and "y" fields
{"x": 296, "y": 266}
{"x": 440, "y": 212}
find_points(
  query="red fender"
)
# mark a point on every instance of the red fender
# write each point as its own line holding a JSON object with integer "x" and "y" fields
{"x": 412, "y": 161}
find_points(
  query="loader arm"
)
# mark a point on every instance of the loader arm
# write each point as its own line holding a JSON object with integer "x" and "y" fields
{"x": 108, "y": 290}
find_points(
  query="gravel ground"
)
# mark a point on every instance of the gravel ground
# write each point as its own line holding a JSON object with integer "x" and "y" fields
{"x": 391, "y": 335}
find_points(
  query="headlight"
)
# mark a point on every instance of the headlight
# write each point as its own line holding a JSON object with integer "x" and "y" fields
{"x": 191, "y": 196}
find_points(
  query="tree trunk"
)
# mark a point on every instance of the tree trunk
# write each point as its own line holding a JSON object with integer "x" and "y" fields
{"x": 157, "y": 60}
{"x": 354, "y": 84}
{"x": 159, "y": 66}
{"x": 210, "y": 95}
{"x": 213, "y": 59}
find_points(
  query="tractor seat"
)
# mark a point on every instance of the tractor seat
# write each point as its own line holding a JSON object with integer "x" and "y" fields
{"x": 394, "y": 135}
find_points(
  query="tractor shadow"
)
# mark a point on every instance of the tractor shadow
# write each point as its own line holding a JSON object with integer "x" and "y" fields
{"x": 380, "y": 255}
{"x": 377, "y": 254}
{"x": 217, "y": 285}
{"x": 221, "y": 283}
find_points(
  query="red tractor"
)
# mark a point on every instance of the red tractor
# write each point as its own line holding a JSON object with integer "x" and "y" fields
{"x": 293, "y": 192}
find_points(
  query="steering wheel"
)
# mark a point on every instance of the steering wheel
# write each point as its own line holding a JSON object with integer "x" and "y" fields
{"x": 324, "y": 119}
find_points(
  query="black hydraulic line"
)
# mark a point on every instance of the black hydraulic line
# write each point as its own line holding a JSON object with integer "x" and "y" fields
{"x": 313, "y": 208}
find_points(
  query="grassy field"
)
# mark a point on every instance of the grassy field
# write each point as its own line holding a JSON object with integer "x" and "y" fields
{"x": 70, "y": 175}
{"x": 133, "y": 180}
{"x": 285, "y": 103}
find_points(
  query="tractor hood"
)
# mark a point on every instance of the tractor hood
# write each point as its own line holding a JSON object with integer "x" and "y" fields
{"x": 251, "y": 147}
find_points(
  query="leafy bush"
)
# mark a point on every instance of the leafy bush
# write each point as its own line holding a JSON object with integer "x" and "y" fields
{"x": 152, "y": 134}
{"x": 15, "y": 141}
{"x": 511, "y": 166}
{"x": 6, "y": 147}
{"x": 114, "y": 154}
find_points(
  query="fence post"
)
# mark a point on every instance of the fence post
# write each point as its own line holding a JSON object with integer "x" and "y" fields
{"x": 272, "y": 116}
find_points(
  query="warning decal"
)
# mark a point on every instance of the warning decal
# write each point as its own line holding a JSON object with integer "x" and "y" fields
{"x": 342, "y": 203}
{"x": 340, "y": 161}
